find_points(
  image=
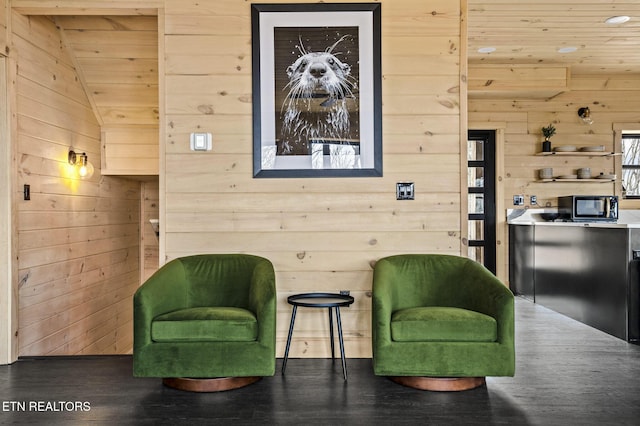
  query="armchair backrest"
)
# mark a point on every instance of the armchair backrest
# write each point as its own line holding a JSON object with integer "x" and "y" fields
{"x": 219, "y": 279}
{"x": 428, "y": 280}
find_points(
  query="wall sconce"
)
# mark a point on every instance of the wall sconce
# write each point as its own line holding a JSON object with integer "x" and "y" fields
{"x": 81, "y": 163}
{"x": 585, "y": 115}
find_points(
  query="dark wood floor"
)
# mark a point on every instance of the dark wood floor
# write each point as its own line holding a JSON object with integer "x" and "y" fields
{"x": 567, "y": 374}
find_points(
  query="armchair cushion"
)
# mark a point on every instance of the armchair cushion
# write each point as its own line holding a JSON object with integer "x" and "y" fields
{"x": 442, "y": 324}
{"x": 205, "y": 324}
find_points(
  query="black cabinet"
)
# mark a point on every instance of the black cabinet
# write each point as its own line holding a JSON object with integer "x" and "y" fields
{"x": 585, "y": 272}
{"x": 521, "y": 260}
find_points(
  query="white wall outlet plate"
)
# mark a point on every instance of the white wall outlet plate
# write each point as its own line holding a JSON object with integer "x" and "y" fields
{"x": 201, "y": 142}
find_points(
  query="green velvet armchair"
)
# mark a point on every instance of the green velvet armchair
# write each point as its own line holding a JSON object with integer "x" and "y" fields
{"x": 440, "y": 322}
{"x": 206, "y": 322}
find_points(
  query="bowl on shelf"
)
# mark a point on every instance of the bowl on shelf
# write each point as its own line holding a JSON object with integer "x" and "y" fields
{"x": 597, "y": 148}
{"x": 584, "y": 173}
{"x": 546, "y": 173}
{"x": 565, "y": 148}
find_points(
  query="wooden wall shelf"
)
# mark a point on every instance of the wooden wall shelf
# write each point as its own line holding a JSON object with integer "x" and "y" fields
{"x": 580, "y": 153}
{"x": 577, "y": 180}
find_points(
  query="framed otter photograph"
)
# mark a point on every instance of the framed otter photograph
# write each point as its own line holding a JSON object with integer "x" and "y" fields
{"x": 317, "y": 107}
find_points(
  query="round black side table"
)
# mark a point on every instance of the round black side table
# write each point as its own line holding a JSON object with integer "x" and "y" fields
{"x": 320, "y": 300}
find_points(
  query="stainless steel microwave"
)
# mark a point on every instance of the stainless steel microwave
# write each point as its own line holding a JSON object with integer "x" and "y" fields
{"x": 588, "y": 208}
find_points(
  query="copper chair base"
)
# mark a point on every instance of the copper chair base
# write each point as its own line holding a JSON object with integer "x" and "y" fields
{"x": 440, "y": 384}
{"x": 209, "y": 385}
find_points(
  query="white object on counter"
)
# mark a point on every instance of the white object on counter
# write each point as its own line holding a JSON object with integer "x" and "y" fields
{"x": 627, "y": 219}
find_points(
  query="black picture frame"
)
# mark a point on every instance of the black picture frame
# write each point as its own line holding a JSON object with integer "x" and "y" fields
{"x": 317, "y": 101}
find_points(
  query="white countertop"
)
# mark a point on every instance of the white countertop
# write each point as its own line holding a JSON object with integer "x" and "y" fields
{"x": 628, "y": 219}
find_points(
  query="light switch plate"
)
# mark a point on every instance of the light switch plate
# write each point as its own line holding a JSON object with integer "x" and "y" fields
{"x": 201, "y": 142}
{"x": 404, "y": 191}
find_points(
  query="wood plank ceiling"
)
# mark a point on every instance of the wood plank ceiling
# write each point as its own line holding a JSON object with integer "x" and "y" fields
{"x": 531, "y": 32}
{"x": 117, "y": 56}
{"x": 117, "y": 60}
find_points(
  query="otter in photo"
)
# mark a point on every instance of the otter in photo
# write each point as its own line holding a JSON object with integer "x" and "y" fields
{"x": 320, "y": 90}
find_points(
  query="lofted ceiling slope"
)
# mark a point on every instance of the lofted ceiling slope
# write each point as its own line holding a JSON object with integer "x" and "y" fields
{"x": 116, "y": 58}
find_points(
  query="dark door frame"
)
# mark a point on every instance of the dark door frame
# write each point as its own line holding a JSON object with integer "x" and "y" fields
{"x": 488, "y": 163}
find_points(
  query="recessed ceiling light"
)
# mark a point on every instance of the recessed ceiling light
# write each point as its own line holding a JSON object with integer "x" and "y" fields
{"x": 617, "y": 20}
{"x": 486, "y": 50}
{"x": 568, "y": 49}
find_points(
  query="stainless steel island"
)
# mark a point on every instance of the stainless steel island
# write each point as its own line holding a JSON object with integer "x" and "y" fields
{"x": 587, "y": 271}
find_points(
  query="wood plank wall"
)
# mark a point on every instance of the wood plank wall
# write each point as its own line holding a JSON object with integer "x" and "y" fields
{"x": 321, "y": 234}
{"x": 4, "y": 19}
{"x": 86, "y": 7}
{"x": 78, "y": 240}
{"x": 611, "y": 99}
{"x": 8, "y": 261}
{"x": 149, "y": 246}
{"x": 130, "y": 150}
{"x": 8, "y": 294}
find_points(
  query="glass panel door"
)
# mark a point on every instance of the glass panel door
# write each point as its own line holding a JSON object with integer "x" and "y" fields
{"x": 481, "y": 190}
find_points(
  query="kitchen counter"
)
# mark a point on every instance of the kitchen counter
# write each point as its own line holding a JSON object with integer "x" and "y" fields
{"x": 628, "y": 219}
{"x": 587, "y": 271}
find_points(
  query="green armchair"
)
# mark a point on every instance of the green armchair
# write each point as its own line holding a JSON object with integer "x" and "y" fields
{"x": 206, "y": 322}
{"x": 440, "y": 322}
